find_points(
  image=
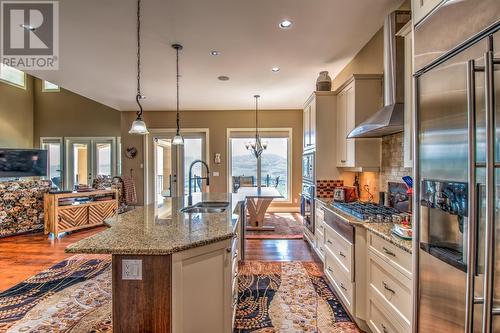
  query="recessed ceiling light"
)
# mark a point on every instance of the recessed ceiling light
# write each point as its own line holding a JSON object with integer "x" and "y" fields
{"x": 275, "y": 69}
{"x": 223, "y": 78}
{"x": 214, "y": 52}
{"x": 285, "y": 24}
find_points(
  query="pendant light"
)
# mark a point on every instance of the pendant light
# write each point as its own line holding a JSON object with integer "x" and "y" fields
{"x": 139, "y": 126}
{"x": 178, "y": 139}
{"x": 256, "y": 147}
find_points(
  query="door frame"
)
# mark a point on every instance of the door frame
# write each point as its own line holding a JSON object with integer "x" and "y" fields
{"x": 91, "y": 140}
{"x": 149, "y": 160}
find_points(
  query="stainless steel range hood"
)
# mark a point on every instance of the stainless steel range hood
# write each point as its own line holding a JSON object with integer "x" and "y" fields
{"x": 389, "y": 119}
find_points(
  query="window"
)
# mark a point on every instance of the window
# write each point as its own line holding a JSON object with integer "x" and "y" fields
{"x": 54, "y": 148}
{"x": 271, "y": 169}
{"x": 49, "y": 87}
{"x": 193, "y": 150}
{"x": 12, "y": 76}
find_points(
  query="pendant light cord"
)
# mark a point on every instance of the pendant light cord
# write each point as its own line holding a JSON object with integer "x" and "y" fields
{"x": 177, "y": 77}
{"x": 138, "y": 96}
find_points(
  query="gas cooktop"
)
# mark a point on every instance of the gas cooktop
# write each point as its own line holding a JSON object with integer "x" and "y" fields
{"x": 366, "y": 210}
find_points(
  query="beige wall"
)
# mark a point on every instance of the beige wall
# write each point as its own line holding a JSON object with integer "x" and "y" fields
{"x": 217, "y": 122}
{"x": 65, "y": 113}
{"x": 16, "y": 115}
{"x": 369, "y": 60}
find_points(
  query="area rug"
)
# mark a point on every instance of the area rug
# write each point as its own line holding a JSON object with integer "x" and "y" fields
{"x": 74, "y": 296}
{"x": 71, "y": 296}
{"x": 287, "y": 226}
{"x": 288, "y": 297}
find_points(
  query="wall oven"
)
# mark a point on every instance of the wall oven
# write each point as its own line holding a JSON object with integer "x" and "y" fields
{"x": 307, "y": 206}
{"x": 308, "y": 168}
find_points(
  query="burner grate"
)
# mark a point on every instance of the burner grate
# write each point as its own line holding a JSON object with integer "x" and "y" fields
{"x": 365, "y": 210}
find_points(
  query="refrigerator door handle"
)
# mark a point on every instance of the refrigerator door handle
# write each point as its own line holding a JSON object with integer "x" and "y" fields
{"x": 472, "y": 195}
{"x": 489, "y": 265}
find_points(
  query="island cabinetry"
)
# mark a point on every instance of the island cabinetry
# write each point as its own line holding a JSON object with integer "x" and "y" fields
{"x": 204, "y": 288}
{"x": 141, "y": 282}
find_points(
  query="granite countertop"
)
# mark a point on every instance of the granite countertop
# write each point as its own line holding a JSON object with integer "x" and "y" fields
{"x": 380, "y": 229}
{"x": 160, "y": 229}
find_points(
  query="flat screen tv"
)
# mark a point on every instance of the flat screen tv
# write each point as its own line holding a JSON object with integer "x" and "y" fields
{"x": 23, "y": 162}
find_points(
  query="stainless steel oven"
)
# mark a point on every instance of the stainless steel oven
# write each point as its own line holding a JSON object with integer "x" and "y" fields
{"x": 307, "y": 206}
{"x": 308, "y": 168}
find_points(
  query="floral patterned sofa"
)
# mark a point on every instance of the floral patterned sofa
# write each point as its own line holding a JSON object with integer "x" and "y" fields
{"x": 21, "y": 206}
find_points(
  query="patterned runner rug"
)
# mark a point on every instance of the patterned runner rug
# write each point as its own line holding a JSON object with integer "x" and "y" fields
{"x": 75, "y": 296}
{"x": 288, "y": 297}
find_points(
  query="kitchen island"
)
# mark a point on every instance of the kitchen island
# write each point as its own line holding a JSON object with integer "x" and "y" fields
{"x": 173, "y": 271}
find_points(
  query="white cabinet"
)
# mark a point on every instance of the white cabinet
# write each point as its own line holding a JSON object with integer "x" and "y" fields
{"x": 405, "y": 32}
{"x": 357, "y": 99}
{"x": 389, "y": 282}
{"x": 319, "y": 130}
{"x": 420, "y": 8}
{"x": 205, "y": 288}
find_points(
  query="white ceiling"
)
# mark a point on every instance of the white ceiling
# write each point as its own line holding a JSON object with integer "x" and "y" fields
{"x": 98, "y": 50}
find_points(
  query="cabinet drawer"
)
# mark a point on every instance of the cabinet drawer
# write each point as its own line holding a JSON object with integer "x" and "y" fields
{"x": 395, "y": 295}
{"x": 341, "y": 249}
{"x": 392, "y": 254}
{"x": 379, "y": 322}
{"x": 340, "y": 280}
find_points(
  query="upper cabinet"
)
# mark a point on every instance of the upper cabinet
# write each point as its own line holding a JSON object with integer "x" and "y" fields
{"x": 357, "y": 99}
{"x": 420, "y": 8}
{"x": 319, "y": 132}
{"x": 310, "y": 124}
{"x": 405, "y": 32}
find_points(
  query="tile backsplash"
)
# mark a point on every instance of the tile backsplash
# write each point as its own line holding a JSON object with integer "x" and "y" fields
{"x": 392, "y": 168}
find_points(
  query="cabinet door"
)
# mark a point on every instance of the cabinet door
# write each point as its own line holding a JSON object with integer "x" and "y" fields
{"x": 341, "y": 129}
{"x": 408, "y": 132}
{"x": 421, "y": 8}
{"x": 312, "y": 123}
{"x": 350, "y": 124}
{"x": 307, "y": 126}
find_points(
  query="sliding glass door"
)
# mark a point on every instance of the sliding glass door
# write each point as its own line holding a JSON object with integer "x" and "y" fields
{"x": 272, "y": 169}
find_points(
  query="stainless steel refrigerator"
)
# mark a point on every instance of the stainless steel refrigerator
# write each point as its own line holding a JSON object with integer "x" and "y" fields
{"x": 457, "y": 159}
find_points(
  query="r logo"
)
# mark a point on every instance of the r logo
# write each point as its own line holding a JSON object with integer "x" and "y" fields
{"x": 30, "y": 33}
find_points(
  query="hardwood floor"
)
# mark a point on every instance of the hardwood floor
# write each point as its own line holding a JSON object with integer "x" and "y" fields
{"x": 26, "y": 255}
{"x": 279, "y": 250}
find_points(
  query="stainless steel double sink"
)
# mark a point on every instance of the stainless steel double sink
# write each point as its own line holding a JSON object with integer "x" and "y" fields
{"x": 206, "y": 207}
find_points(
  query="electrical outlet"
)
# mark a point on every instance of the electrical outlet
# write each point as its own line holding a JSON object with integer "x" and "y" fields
{"x": 215, "y": 173}
{"x": 131, "y": 269}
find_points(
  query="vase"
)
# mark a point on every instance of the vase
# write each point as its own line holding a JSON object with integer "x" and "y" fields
{"x": 324, "y": 82}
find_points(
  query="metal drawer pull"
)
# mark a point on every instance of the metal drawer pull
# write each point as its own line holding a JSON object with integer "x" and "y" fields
{"x": 389, "y": 252}
{"x": 228, "y": 250}
{"x": 495, "y": 311}
{"x": 330, "y": 269}
{"x": 329, "y": 241}
{"x": 386, "y": 287}
{"x": 384, "y": 329}
{"x": 341, "y": 254}
{"x": 342, "y": 286}
{"x": 343, "y": 161}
